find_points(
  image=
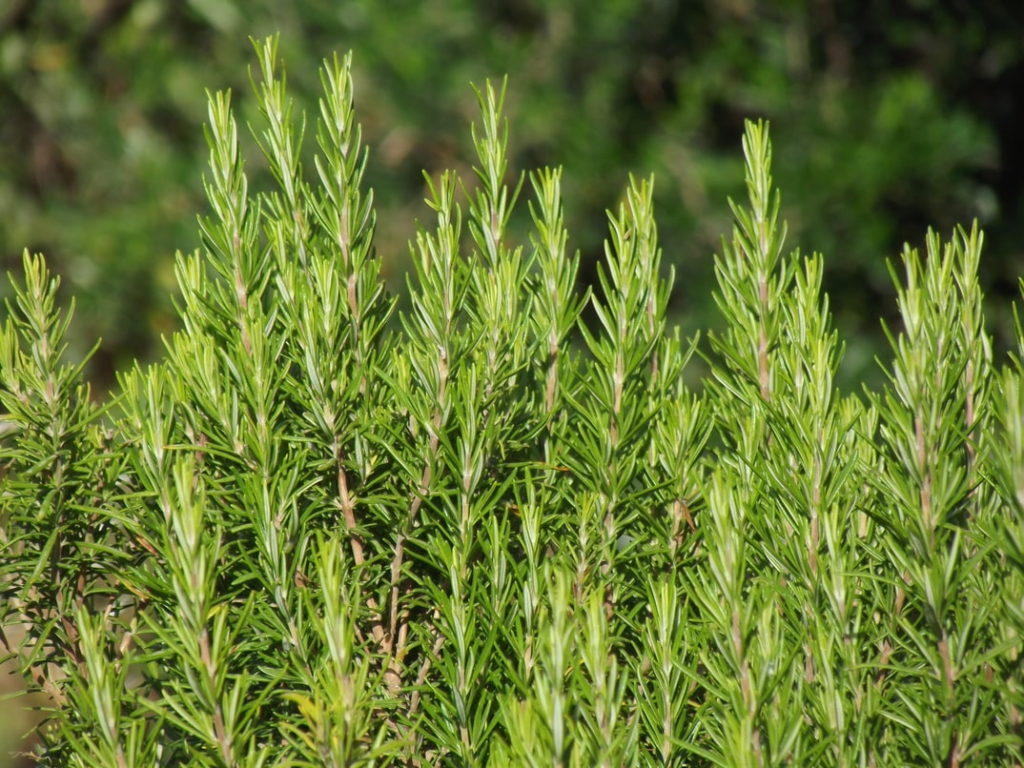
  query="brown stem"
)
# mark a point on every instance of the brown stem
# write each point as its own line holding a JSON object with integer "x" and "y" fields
{"x": 883, "y": 661}
{"x": 948, "y": 672}
{"x": 347, "y": 503}
{"x": 348, "y": 508}
{"x": 395, "y": 633}
{"x": 954, "y": 755}
{"x": 421, "y": 676}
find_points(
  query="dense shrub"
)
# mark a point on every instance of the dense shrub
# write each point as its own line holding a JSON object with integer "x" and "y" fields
{"x": 311, "y": 536}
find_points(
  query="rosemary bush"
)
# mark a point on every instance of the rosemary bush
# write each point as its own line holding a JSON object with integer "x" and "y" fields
{"x": 321, "y": 532}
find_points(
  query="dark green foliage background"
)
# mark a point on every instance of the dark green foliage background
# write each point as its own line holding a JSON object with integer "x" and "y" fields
{"x": 886, "y": 121}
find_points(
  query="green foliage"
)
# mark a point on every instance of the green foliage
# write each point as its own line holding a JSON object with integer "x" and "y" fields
{"x": 309, "y": 536}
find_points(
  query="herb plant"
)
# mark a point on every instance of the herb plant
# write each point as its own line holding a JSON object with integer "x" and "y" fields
{"x": 482, "y": 531}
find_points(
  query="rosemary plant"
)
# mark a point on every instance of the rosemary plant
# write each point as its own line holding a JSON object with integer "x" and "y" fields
{"x": 321, "y": 532}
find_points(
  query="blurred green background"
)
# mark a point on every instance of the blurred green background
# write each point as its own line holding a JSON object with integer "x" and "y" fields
{"x": 886, "y": 118}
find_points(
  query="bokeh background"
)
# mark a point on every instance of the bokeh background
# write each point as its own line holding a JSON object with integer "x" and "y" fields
{"x": 886, "y": 118}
